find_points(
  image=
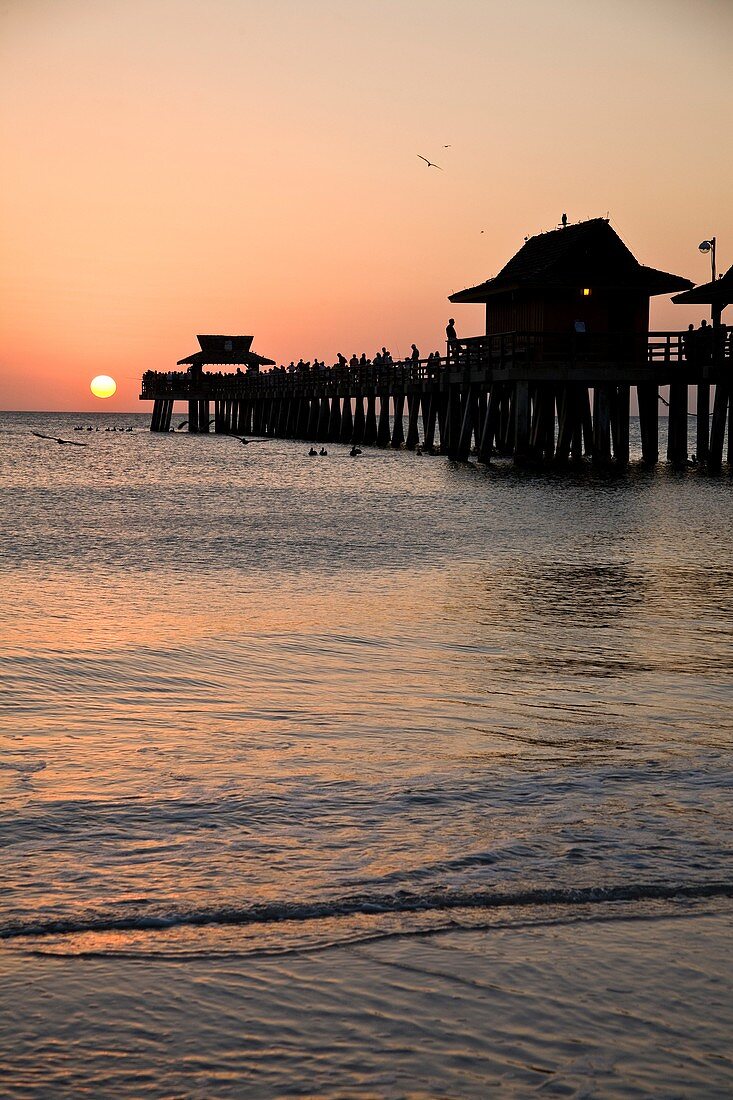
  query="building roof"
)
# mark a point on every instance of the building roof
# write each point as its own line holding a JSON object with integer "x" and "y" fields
{"x": 225, "y": 351}
{"x": 719, "y": 293}
{"x": 587, "y": 254}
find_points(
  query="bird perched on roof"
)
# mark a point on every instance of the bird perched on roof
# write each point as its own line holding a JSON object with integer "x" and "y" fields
{"x": 429, "y": 162}
{"x": 564, "y": 220}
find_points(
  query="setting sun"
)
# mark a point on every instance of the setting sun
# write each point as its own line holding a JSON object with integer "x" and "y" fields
{"x": 103, "y": 386}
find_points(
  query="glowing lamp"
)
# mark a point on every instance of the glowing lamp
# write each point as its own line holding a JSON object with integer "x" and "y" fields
{"x": 586, "y": 292}
{"x": 103, "y": 386}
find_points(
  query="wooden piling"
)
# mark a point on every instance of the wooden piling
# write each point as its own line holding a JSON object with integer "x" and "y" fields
{"x": 677, "y": 424}
{"x": 717, "y": 428}
{"x": 467, "y": 420}
{"x": 620, "y": 423}
{"x": 601, "y": 426}
{"x": 347, "y": 422}
{"x": 398, "y": 431}
{"x": 413, "y": 411}
{"x": 648, "y": 397}
{"x": 521, "y": 421}
{"x": 334, "y": 421}
{"x": 370, "y": 424}
{"x": 491, "y": 424}
{"x": 430, "y": 417}
{"x": 383, "y": 430}
{"x": 357, "y": 436}
{"x": 703, "y": 421}
{"x": 323, "y": 421}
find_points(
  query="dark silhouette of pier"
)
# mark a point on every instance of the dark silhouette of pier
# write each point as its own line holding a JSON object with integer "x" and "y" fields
{"x": 553, "y": 386}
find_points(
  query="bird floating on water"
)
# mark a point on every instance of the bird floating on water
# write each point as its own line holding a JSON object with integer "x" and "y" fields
{"x": 429, "y": 162}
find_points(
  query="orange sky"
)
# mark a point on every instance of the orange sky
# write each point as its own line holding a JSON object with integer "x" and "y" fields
{"x": 249, "y": 166}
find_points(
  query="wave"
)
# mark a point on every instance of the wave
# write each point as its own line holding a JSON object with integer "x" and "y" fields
{"x": 366, "y": 905}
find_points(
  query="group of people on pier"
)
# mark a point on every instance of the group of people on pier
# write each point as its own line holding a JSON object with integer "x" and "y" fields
{"x": 701, "y": 343}
{"x": 381, "y": 358}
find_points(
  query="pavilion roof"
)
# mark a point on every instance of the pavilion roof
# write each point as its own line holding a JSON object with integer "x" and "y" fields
{"x": 719, "y": 293}
{"x": 587, "y": 254}
{"x": 225, "y": 351}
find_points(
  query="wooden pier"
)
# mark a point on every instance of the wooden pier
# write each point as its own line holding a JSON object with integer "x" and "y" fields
{"x": 567, "y": 340}
{"x": 535, "y": 399}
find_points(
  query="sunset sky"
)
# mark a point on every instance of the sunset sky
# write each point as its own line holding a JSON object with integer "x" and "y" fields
{"x": 250, "y": 166}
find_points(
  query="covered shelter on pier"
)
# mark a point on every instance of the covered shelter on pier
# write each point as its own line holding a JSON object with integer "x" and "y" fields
{"x": 580, "y": 277}
{"x": 717, "y": 295}
{"x": 225, "y": 351}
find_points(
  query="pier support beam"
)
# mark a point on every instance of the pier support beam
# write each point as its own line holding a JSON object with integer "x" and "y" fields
{"x": 398, "y": 431}
{"x": 370, "y": 424}
{"x": 620, "y": 423}
{"x": 468, "y": 419}
{"x": 717, "y": 430}
{"x": 601, "y": 425}
{"x": 323, "y": 421}
{"x": 347, "y": 422}
{"x": 703, "y": 421}
{"x": 521, "y": 421}
{"x": 334, "y": 421}
{"x": 384, "y": 434}
{"x": 193, "y": 416}
{"x": 490, "y": 425}
{"x": 357, "y": 436}
{"x": 648, "y": 396}
{"x": 413, "y": 411}
{"x": 677, "y": 424}
{"x": 430, "y": 416}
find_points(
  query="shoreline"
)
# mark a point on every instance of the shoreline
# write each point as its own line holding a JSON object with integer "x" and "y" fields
{"x": 610, "y": 1007}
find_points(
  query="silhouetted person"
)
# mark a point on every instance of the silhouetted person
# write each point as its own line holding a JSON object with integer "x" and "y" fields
{"x": 452, "y": 339}
{"x": 354, "y": 451}
{"x": 323, "y": 452}
{"x": 342, "y": 359}
{"x": 688, "y": 343}
{"x": 415, "y": 355}
{"x": 705, "y": 342}
{"x": 312, "y": 452}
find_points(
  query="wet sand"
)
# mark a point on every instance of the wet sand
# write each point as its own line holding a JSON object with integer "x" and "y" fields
{"x": 604, "y": 1008}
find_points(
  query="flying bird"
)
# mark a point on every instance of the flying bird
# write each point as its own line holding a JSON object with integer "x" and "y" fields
{"x": 248, "y": 441}
{"x": 429, "y": 162}
{"x": 447, "y": 146}
{"x": 66, "y": 442}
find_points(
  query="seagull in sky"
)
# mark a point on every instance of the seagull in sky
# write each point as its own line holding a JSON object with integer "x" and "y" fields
{"x": 429, "y": 162}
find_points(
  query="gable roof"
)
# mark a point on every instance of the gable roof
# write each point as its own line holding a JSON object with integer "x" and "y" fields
{"x": 718, "y": 293}
{"x": 587, "y": 254}
{"x": 226, "y": 351}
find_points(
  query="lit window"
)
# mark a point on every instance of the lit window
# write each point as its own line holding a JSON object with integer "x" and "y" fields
{"x": 586, "y": 292}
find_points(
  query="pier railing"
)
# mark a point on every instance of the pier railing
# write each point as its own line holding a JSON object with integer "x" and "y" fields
{"x": 543, "y": 353}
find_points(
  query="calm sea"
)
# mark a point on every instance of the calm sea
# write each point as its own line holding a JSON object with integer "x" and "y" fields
{"x": 254, "y": 701}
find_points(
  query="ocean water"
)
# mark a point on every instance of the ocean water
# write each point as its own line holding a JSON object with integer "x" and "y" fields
{"x": 258, "y": 704}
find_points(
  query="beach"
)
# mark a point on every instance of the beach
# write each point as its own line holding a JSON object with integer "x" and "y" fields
{"x": 610, "y": 1007}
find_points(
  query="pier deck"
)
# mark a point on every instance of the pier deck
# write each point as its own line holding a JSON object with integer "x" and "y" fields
{"x": 534, "y": 396}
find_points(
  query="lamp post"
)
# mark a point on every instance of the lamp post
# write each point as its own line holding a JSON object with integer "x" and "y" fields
{"x": 709, "y": 246}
